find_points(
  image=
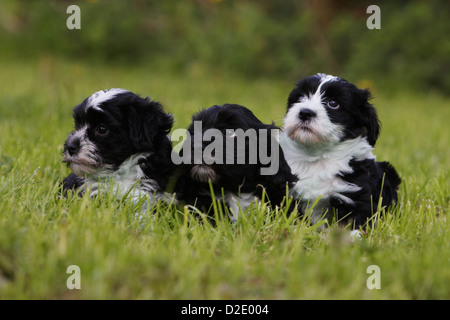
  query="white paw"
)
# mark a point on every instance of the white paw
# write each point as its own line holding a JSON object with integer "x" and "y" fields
{"x": 356, "y": 235}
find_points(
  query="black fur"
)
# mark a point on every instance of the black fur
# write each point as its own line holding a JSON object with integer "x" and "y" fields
{"x": 235, "y": 178}
{"x": 375, "y": 179}
{"x": 72, "y": 182}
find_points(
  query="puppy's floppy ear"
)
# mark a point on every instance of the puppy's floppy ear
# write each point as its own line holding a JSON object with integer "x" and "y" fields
{"x": 148, "y": 123}
{"x": 369, "y": 117}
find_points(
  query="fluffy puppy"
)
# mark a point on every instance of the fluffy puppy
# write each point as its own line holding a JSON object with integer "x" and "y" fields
{"x": 119, "y": 137}
{"x": 330, "y": 130}
{"x": 229, "y": 148}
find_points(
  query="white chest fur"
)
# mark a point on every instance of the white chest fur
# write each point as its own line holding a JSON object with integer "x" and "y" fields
{"x": 318, "y": 168}
{"x": 128, "y": 180}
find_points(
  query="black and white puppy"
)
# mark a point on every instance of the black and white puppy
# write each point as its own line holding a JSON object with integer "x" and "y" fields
{"x": 231, "y": 149}
{"x": 119, "y": 137}
{"x": 330, "y": 130}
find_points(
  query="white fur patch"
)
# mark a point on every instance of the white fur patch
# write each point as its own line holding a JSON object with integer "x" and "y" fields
{"x": 325, "y": 78}
{"x": 356, "y": 235}
{"x": 318, "y": 168}
{"x": 243, "y": 201}
{"x": 128, "y": 180}
{"x": 102, "y": 96}
{"x": 235, "y": 202}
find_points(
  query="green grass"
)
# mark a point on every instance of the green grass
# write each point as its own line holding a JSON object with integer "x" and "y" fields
{"x": 175, "y": 256}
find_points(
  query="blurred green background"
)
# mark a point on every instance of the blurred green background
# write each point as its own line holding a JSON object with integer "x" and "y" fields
{"x": 286, "y": 39}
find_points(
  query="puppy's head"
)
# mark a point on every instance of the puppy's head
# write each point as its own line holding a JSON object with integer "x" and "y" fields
{"x": 224, "y": 159}
{"x": 110, "y": 126}
{"x": 328, "y": 109}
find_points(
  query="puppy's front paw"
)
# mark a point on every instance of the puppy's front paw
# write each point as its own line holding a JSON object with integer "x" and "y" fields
{"x": 71, "y": 182}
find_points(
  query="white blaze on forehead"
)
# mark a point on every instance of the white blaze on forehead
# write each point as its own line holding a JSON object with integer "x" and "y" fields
{"x": 324, "y": 78}
{"x": 102, "y": 96}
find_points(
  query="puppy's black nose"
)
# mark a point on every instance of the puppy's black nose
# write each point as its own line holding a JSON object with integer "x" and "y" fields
{"x": 306, "y": 114}
{"x": 73, "y": 146}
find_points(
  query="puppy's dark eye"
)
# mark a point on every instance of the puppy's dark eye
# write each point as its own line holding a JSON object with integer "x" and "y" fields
{"x": 332, "y": 104}
{"x": 101, "y": 130}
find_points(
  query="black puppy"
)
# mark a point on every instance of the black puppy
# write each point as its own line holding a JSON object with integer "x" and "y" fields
{"x": 229, "y": 148}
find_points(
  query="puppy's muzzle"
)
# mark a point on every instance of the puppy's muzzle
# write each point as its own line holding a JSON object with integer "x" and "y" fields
{"x": 72, "y": 146}
{"x": 306, "y": 114}
{"x": 203, "y": 173}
